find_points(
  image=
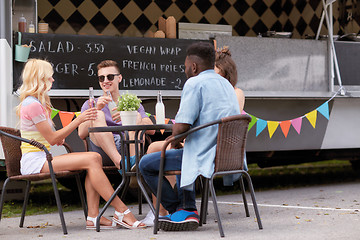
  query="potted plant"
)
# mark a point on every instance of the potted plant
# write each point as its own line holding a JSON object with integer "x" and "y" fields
{"x": 128, "y": 104}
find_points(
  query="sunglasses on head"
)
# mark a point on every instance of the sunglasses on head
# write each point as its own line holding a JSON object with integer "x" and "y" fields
{"x": 109, "y": 77}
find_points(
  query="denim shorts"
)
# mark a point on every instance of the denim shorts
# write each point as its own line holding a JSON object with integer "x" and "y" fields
{"x": 105, "y": 158}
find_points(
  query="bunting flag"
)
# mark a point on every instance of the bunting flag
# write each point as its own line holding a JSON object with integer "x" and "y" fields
{"x": 54, "y": 112}
{"x": 66, "y": 117}
{"x": 324, "y": 110}
{"x": 311, "y": 116}
{"x": 285, "y": 127}
{"x": 272, "y": 126}
{"x": 166, "y": 122}
{"x": 260, "y": 126}
{"x": 77, "y": 114}
{"x": 296, "y": 123}
{"x": 253, "y": 121}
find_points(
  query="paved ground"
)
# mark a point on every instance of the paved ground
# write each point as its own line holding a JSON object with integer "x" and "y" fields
{"x": 317, "y": 212}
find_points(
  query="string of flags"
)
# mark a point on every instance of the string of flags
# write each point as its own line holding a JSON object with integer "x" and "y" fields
{"x": 285, "y": 125}
{"x": 67, "y": 117}
{"x": 261, "y": 124}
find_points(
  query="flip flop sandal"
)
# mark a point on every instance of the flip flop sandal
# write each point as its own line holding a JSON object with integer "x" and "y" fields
{"x": 120, "y": 217}
{"x": 102, "y": 227}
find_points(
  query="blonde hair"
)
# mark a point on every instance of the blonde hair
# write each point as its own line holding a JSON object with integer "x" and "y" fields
{"x": 35, "y": 82}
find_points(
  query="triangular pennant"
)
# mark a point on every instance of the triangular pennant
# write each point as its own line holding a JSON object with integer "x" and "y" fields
{"x": 77, "y": 114}
{"x": 285, "y": 126}
{"x": 311, "y": 116}
{"x": 324, "y": 110}
{"x": 260, "y": 126}
{"x": 243, "y": 112}
{"x": 253, "y": 121}
{"x": 54, "y": 112}
{"x": 66, "y": 117}
{"x": 148, "y": 114}
{"x": 162, "y": 131}
{"x": 297, "y": 124}
{"x": 272, "y": 126}
{"x": 173, "y": 121}
{"x": 167, "y": 120}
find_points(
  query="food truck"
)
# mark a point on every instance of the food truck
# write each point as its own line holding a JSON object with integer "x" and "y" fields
{"x": 302, "y": 94}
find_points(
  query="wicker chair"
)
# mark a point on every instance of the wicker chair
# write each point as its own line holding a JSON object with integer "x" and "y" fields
{"x": 229, "y": 159}
{"x": 11, "y": 141}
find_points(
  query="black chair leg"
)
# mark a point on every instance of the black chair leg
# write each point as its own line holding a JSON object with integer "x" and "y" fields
{"x": 251, "y": 188}
{"x": 140, "y": 201}
{"x": 26, "y": 200}
{"x": 204, "y": 200}
{"x": 242, "y": 188}
{"x": 81, "y": 193}
{"x": 126, "y": 187}
{"x": 118, "y": 189}
{"x": 158, "y": 197}
{"x": 213, "y": 196}
{"x": 2, "y": 199}
{"x": 58, "y": 203}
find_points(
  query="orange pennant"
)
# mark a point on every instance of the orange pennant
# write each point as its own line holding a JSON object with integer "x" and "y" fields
{"x": 162, "y": 131}
{"x": 66, "y": 117}
{"x": 167, "y": 120}
{"x": 285, "y": 126}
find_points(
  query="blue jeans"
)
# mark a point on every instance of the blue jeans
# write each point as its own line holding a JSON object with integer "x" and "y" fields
{"x": 228, "y": 180}
{"x": 149, "y": 168}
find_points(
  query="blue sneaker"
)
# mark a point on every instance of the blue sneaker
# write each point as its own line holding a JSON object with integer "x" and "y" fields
{"x": 181, "y": 220}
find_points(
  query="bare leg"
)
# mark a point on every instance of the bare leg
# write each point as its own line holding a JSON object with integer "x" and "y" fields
{"x": 105, "y": 140}
{"x": 156, "y": 147}
{"x": 93, "y": 200}
{"x": 97, "y": 180}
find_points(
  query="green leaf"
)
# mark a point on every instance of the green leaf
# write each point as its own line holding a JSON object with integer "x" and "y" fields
{"x": 128, "y": 102}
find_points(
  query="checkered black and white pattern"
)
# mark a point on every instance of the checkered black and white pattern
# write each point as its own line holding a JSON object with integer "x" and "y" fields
{"x": 136, "y": 17}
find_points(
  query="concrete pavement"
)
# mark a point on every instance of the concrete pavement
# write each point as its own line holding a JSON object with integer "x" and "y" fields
{"x": 316, "y": 212}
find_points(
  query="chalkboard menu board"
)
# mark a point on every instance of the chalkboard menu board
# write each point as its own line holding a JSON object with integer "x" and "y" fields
{"x": 145, "y": 63}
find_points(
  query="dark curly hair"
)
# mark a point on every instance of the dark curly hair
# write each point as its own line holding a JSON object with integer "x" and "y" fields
{"x": 226, "y": 65}
{"x": 205, "y": 51}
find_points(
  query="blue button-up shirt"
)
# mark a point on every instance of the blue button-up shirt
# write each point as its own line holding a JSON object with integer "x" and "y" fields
{"x": 205, "y": 98}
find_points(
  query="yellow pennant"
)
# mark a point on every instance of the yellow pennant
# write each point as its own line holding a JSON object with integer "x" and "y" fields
{"x": 272, "y": 126}
{"x": 311, "y": 116}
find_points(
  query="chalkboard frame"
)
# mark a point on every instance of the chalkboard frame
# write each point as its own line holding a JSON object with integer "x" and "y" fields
{"x": 147, "y": 64}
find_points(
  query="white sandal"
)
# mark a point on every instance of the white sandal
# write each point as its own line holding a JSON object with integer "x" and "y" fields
{"x": 102, "y": 227}
{"x": 120, "y": 217}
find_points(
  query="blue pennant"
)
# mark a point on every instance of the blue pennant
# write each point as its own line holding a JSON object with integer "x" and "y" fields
{"x": 260, "y": 126}
{"x": 324, "y": 110}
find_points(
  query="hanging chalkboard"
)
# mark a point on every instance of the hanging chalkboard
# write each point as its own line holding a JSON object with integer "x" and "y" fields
{"x": 145, "y": 63}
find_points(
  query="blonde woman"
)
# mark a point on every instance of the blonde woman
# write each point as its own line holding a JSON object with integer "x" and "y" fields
{"x": 35, "y": 123}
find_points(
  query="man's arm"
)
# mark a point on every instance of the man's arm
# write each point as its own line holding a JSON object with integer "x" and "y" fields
{"x": 179, "y": 128}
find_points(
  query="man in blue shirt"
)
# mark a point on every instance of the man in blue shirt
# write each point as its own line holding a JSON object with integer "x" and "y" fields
{"x": 206, "y": 97}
